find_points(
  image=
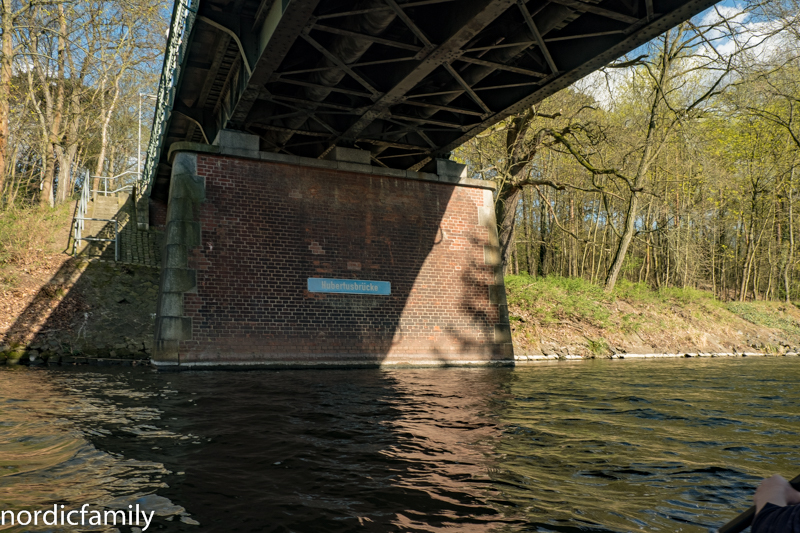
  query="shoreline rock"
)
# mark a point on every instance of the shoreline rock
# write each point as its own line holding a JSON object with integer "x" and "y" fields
{"x": 535, "y": 358}
{"x": 29, "y": 356}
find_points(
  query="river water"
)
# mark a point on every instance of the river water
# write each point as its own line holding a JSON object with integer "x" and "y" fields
{"x": 645, "y": 445}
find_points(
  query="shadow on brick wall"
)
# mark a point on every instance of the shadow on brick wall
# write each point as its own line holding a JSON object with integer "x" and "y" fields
{"x": 244, "y": 237}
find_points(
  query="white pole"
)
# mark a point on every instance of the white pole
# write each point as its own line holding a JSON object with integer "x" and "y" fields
{"x": 139, "y": 149}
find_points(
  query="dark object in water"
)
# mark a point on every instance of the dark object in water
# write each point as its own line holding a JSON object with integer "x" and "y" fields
{"x": 743, "y": 521}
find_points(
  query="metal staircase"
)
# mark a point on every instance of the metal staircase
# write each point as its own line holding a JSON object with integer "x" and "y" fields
{"x": 104, "y": 226}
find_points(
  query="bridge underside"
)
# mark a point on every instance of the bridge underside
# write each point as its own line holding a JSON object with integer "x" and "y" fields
{"x": 407, "y": 81}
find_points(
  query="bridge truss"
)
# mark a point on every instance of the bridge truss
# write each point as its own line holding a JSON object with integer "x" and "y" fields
{"x": 407, "y": 80}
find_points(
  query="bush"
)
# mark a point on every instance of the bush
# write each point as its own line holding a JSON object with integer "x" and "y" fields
{"x": 641, "y": 292}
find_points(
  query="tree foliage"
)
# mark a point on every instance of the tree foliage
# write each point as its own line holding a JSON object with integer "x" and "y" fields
{"x": 70, "y": 77}
{"x": 676, "y": 166}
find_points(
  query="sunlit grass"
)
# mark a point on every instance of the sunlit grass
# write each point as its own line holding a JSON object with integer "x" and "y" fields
{"x": 556, "y": 298}
{"x": 767, "y": 314}
{"x": 28, "y": 235}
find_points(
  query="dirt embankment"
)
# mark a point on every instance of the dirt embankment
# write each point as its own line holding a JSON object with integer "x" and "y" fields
{"x": 559, "y": 316}
{"x": 59, "y": 308}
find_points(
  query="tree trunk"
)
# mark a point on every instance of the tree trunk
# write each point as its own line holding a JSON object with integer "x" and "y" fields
{"x": 516, "y": 259}
{"x": 66, "y": 158}
{"x": 633, "y": 202}
{"x": 526, "y": 218}
{"x": 506, "y": 213}
{"x": 624, "y": 243}
{"x": 573, "y": 243}
{"x": 787, "y": 269}
{"x": 106, "y": 119}
{"x": 48, "y": 177}
{"x": 646, "y": 259}
{"x": 686, "y": 251}
{"x": 542, "y": 231}
{"x": 747, "y": 259}
{"x": 6, "y": 58}
{"x": 51, "y": 129}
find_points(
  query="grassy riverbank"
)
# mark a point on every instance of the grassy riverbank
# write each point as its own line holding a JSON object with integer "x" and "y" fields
{"x": 31, "y": 239}
{"x": 570, "y": 316}
{"x": 53, "y": 305}
{"x": 32, "y": 245}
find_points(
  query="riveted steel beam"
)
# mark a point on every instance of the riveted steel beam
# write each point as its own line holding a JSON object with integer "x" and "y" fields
{"x": 441, "y": 55}
{"x": 354, "y": 12}
{"x": 500, "y": 66}
{"x": 353, "y": 65}
{"x": 388, "y": 144}
{"x": 289, "y": 130}
{"x": 583, "y": 36}
{"x": 430, "y": 121}
{"x": 583, "y": 7}
{"x": 324, "y": 87}
{"x": 279, "y": 98}
{"x": 451, "y": 109}
{"x": 374, "y": 39}
{"x": 282, "y": 25}
{"x": 339, "y": 63}
{"x": 537, "y": 35}
{"x": 467, "y": 88}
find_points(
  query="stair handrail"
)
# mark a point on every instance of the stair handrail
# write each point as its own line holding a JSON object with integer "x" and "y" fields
{"x": 80, "y": 215}
{"x": 106, "y": 179}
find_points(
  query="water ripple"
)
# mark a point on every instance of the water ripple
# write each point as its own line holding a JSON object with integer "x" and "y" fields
{"x": 606, "y": 446}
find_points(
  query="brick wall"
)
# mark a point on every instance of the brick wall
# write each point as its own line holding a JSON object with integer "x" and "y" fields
{"x": 157, "y": 212}
{"x": 266, "y": 227}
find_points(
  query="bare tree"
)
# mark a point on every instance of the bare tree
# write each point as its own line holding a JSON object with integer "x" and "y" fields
{"x": 682, "y": 73}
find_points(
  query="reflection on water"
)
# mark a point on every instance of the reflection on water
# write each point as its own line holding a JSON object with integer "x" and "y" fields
{"x": 617, "y": 446}
{"x": 651, "y": 445}
{"x": 47, "y": 457}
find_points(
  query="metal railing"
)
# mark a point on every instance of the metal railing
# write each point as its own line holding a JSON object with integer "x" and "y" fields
{"x": 183, "y": 16}
{"x": 118, "y": 179}
{"x": 81, "y": 218}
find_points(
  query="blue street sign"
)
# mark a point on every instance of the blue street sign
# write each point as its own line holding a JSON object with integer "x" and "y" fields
{"x": 349, "y": 286}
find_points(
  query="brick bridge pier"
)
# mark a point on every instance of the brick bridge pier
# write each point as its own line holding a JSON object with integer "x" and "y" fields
{"x": 262, "y": 252}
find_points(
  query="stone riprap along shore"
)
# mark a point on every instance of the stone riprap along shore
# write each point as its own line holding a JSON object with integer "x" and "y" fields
{"x": 569, "y": 357}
